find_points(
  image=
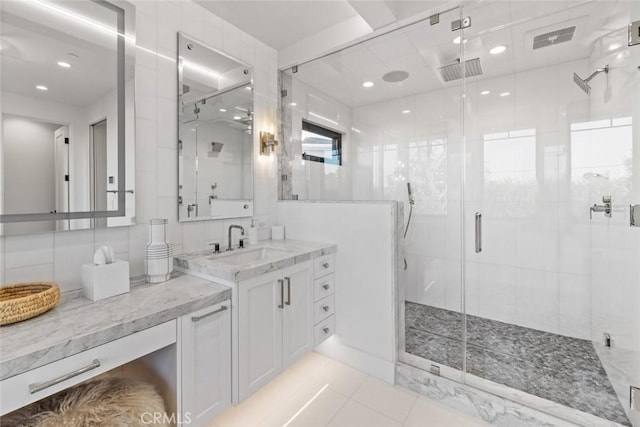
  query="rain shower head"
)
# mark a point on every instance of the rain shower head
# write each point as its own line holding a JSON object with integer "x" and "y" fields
{"x": 584, "y": 83}
{"x": 216, "y": 148}
{"x": 453, "y": 71}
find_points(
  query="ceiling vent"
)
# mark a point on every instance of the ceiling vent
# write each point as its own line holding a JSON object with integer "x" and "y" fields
{"x": 553, "y": 38}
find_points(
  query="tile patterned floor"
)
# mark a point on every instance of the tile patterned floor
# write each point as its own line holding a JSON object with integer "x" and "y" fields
{"x": 558, "y": 368}
{"x": 318, "y": 391}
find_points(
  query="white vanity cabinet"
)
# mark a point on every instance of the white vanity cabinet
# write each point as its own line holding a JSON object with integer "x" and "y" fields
{"x": 205, "y": 345}
{"x": 324, "y": 319}
{"x": 275, "y": 324}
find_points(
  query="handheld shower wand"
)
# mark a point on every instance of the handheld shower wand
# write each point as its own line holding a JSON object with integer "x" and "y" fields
{"x": 411, "y": 203}
{"x": 410, "y": 194}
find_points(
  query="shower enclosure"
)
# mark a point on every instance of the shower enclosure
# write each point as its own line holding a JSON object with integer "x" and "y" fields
{"x": 516, "y": 126}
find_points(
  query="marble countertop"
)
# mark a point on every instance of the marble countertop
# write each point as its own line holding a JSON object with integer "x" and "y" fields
{"x": 77, "y": 324}
{"x": 213, "y": 265}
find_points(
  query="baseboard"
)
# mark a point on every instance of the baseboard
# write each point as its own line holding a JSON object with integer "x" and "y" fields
{"x": 374, "y": 366}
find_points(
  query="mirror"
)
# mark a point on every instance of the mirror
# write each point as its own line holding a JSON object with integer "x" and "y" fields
{"x": 67, "y": 147}
{"x": 215, "y": 146}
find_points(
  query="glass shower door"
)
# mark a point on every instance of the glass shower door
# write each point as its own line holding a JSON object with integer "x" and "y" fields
{"x": 426, "y": 125}
{"x": 551, "y": 271}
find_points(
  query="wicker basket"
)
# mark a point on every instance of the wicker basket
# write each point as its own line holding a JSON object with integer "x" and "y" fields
{"x": 26, "y": 300}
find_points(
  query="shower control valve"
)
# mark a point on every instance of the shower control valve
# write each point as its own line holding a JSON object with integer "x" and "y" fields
{"x": 605, "y": 207}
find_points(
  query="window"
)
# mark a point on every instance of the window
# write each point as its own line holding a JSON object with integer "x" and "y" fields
{"x": 320, "y": 144}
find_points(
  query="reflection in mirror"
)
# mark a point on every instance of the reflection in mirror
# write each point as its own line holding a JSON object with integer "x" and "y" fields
{"x": 67, "y": 115}
{"x": 215, "y": 166}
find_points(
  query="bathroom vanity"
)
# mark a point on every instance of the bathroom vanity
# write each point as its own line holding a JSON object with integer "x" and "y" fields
{"x": 282, "y": 304}
{"x": 206, "y": 339}
{"x": 177, "y": 332}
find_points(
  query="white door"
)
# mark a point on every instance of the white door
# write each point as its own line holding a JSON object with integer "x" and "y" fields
{"x": 260, "y": 306}
{"x": 297, "y": 323}
{"x": 61, "y": 169}
{"x": 206, "y": 363}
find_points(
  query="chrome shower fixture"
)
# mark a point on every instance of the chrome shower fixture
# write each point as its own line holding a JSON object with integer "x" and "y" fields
{"x": 410, "y": 194}
{"x": 584, "y": 83}
{"x": 454, "y": 71}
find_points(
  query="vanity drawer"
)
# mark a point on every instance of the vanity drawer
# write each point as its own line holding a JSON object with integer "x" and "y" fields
{"x": 33, "y": 385}
{"x": 323, "y": 309}
{"x": 324, "y": 265}
{"x": 324, "y": 330}
{"x": 323, "y": 287}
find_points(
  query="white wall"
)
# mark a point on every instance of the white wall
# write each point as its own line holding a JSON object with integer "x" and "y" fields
{"x": 58, "y": 256}
{"x": 366, "y": 236}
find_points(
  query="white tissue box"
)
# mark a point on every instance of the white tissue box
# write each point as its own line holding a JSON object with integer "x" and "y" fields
{"x": 106, "y": 280}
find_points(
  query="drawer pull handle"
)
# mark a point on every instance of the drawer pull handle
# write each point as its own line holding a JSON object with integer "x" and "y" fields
{"x": 325, "y": 286}
{"x": 325, "y": 307}
{"x": 199, "y": 318}
{"x": 281, "y": 283}
{"x": 36, "y": 387}
{"x": 325, "y": 330}
{"x": 325, "y": 264}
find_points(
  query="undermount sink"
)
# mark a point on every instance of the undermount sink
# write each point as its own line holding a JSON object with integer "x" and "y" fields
{"x": 246, "y": 256}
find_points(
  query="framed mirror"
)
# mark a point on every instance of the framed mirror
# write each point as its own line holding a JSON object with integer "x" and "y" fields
{"x": 68, "y": 115}
{"x": 215, "y": 133}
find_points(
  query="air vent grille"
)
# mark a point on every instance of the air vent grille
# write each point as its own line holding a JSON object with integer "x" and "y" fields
{"x": 553, "y": 37}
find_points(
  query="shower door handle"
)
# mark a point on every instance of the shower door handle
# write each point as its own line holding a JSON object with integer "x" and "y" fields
{"x": 478, "y": 232}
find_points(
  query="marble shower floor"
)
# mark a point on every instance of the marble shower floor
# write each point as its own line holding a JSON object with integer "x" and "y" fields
{"x": 554, "y": 367}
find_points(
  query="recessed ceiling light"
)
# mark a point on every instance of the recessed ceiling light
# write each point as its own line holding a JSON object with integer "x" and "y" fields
{"x": 485, "y": 92}
{"x": 406, "y": 111}
{"x": 614, "y": 46}
{"x": 367, "y": 84}
{"x": 236, "y": 117}
{"x": 457, "y": 40}
{"x": 42, "y": 88}
{"x": 292, "y": 104}
{"x": 248, "y": 87}
{"x": 63, "y": 64}
{"x": 223, "y": 110}
{"x": 505, "y": 94}
{"x": 497, "y": 49}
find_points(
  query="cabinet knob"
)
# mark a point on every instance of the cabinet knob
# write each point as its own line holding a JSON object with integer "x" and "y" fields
{"x": 325, "y": 330}
{"x": 325, "y": 286}
{"x": 325, "y": 264}
{"x": 325, "y": 307}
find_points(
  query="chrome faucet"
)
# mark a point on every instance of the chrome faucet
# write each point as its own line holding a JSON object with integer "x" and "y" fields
{"x": 231, "y": 227}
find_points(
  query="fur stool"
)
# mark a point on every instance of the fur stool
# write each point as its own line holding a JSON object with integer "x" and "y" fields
{"x": 106, "y": 402}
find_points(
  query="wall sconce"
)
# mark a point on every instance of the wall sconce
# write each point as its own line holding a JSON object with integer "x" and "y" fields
{"x": 267, "y": 143}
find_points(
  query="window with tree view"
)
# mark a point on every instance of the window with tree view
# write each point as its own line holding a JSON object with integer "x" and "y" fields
{"x": 320, "y": 144}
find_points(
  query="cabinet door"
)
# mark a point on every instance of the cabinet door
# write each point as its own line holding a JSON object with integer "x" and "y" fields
{"x": 297, "y": 324}
{"x": 259, "y": 332}
{"x": 206, "y": 363}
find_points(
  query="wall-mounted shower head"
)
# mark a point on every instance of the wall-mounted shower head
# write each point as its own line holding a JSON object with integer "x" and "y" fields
{"x": 584, "y": 83}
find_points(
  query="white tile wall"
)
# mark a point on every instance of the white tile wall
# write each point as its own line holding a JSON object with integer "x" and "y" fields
{"x": 58, "y": 256}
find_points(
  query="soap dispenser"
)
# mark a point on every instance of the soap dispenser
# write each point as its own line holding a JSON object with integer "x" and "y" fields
{"x": 253, "y": 233}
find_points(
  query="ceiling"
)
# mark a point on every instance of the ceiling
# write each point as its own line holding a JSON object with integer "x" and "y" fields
{"x": 34, "y": 40}
{"x": 281, "y": 23}
{"x": 421, "y": 49}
